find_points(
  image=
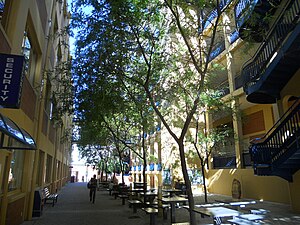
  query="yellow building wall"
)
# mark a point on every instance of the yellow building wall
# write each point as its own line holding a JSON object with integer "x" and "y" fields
{"x": 265, "y": 188}
{"x": 295, "y": 192}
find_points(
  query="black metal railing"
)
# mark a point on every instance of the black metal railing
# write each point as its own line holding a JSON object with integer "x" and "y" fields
{"x": 269, "y": 148}
{"x": 214, "y": 13}
{"x": 247, "y": 161}
{"x": 243, "y": 10}
{"x": 286, "y": 22}
{"x": 224, "y": 162}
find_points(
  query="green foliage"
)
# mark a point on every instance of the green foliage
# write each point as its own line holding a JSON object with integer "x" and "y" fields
{"x": 141, "y": 62}
{"x": 152, "y": 158}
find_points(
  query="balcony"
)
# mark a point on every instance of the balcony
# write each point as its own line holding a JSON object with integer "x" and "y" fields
{"x": 276, "y": 60}
{"x": 217, "y": 50}
{"x": 252, "y": 18}
{"x": 209, "y": 17}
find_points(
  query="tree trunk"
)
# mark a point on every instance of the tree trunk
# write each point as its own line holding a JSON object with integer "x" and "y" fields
{"x": 187, "y": 183}
{"x": 204, "y": 183}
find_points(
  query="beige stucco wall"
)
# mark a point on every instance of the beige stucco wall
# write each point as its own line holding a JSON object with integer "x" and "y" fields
{"x": 265, "y": 188}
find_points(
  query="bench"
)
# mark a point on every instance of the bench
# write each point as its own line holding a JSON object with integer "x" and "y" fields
{"x": 259, "y": 211}
{"x": 153, "y": 214}
{"x": 245, "y": 219}
{"x": 184, "y": 223}
{"x": 240, "y": 221}
{"x": 165, "y": 208}
{"x": 50, "y": 196}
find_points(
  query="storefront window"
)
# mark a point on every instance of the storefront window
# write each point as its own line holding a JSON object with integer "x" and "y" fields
{"x": 16, "y": 170}
{"x": 3, "y": 165}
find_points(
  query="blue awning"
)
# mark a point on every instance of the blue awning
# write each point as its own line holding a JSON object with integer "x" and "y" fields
{"x": 11, "y": 129}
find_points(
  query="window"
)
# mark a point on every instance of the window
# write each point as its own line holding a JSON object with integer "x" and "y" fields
{"x": 40, "y": 169}
{"x": 3, "y": 165}
{"x": 2, "y": 4}
{"x": 30, "y": 58}
{"x": 15, "y": 175}
{"x": 4, "y": 9}
{"x": 58, "y": 170}
{"x": 48, "y": 99}
{"x": 48, "y": 169}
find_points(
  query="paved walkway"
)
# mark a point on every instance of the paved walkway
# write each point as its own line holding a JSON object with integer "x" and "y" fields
{"x": 74, "y": 208}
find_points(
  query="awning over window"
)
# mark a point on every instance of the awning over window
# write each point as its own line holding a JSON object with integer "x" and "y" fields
{"x": 11, "y": 129}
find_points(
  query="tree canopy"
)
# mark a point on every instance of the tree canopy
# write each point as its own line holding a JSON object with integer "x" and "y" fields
{"x": 136, "y": 60}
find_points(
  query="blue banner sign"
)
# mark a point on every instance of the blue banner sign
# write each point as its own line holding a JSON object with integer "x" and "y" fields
{"x": 11, "y": 80}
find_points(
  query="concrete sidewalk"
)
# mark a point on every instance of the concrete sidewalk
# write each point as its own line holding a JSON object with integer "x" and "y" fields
{"x": 74, "y": 208}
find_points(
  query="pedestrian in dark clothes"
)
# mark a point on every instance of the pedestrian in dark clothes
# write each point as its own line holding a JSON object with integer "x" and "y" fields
{"x": 93, "y": 187}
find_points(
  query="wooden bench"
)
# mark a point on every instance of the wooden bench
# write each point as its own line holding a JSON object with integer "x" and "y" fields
{"x": 153, "y": 212}
{"x": 50, "y": 196}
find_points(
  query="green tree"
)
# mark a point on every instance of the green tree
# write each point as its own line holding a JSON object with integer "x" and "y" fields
{"x": 158, "y": 46}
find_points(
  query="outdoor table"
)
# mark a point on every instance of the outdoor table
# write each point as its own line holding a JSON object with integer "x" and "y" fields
{"x": 209, "y": 205}
{"x": 153, "y": 214}
{"x": 217, "y": 212}
{"x": 149, "y": 195}
{"x": 138, "y": 184}
{"x": 172, "y": 191}
{"x": 172, "y": 201}
{"x": 236, "y": 204}
{"x": 135, "y": 191}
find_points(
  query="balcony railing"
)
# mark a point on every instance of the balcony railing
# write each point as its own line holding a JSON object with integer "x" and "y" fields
{"x": 150, "y": 167}
{"x": 217, "y": 50}
{"x": 224, "y": 87}
{"x": 233, "y": 36}
{"x": 243, "y": 10}
{"x": 287, "y": 21}
{"x": 247, "y": 162}
{"x": 224, "y": 162}
{"x": 214, "y": 13}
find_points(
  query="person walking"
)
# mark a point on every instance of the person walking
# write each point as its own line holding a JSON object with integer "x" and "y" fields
{"x": 93, "y": 186}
